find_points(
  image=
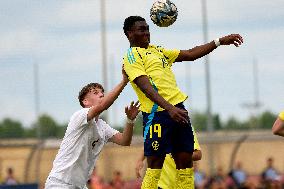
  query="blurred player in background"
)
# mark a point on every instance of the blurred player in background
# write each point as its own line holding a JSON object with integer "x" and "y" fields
{"x": 168, "y": 175}
{"x": 166, "y": 123}
{"x": 86, "y": 135}
{"x": 278, "y": 126}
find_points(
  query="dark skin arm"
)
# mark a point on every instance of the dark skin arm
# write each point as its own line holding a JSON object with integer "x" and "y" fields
{"x": 145, "y": 86}
{"x": 202, "y": 50}
{"x": 178, "y": 114}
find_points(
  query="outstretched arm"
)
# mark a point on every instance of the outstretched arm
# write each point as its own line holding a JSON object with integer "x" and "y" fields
{"x": 108, "y": 99}
{"x": 125, "y": 138}
{"x": 202, "y": 50}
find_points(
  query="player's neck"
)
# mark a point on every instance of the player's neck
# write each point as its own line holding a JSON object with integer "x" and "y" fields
{"x": 138, "y": 45}
{"x": 96, "y": 118}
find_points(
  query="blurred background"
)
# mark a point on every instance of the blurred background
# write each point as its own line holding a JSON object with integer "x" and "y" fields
{"x": 50, "y": 49}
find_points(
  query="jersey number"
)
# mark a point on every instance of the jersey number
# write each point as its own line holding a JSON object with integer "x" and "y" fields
{"x": 156, "y": 129}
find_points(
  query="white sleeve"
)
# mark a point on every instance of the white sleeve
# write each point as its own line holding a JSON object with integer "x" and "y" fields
{"x": 79, "y": 118}
{"x": 109, "y": 131}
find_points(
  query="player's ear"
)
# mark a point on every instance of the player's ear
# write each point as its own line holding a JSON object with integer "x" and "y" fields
{"x": 85, "y": 102}
{"x": 129, "y": 34}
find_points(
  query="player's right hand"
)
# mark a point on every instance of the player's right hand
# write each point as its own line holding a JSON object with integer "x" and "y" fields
{"x": 132, "y": 110}
{"x": 179, "y": 115}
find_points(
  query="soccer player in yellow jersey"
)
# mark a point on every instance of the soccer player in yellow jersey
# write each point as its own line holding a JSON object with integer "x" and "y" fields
{"x": 168, "y": 175}
{"x": 166, "y": 123}
{"x": 278, "y": 126}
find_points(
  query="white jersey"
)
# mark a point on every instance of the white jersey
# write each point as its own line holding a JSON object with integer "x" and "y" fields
{"x": 80, "y": 148}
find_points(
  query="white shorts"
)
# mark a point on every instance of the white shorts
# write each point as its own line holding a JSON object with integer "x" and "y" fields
{"x": 54, "y": 183}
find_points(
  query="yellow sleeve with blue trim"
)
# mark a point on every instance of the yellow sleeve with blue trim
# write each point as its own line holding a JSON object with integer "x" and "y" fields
{"x": 281, "y": 115}
{"x": 170, "y": 54}
{"x": 133, "y": 63}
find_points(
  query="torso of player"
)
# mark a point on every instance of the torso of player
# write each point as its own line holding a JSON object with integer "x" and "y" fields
{"x": 156, "y": 63}
{"x": 79, "y": 150}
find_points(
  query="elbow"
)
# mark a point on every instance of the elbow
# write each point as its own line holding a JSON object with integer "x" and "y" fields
{"x": 275, "y": 131}
{"x": 197, "y": 155}
{"x": 126, "y": 143}
{"x": 277, "y": 127}
{"x": 197, "y": 158}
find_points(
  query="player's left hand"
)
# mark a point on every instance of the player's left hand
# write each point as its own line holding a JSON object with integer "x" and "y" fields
{"x": 234, "y": 39}
{"x": 133, "y": 110}
{"x": 124, "y": 75}
{"x": 139, "y": 166}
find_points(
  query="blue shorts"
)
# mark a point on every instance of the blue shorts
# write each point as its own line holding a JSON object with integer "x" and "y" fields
{"x": 167, "y": 136}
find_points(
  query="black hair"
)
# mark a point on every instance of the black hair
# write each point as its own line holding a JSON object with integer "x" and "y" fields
{"x": 130, "y": 21}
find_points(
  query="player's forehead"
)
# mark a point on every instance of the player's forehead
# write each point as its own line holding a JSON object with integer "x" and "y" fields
{"x": 140, "y": 24}
{"x": 95, "y": 89}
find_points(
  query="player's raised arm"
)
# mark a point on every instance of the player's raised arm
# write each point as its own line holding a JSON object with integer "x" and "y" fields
{"x": 109, "y": 98}
{"x": 202, "y": 50}
{"x": 125, "y": 137}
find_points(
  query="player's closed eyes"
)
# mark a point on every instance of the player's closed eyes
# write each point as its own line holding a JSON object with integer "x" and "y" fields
{"x": 143, "y": 29}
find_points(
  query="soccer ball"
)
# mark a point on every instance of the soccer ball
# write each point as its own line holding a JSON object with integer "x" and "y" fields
{"x": 163, "y": 13}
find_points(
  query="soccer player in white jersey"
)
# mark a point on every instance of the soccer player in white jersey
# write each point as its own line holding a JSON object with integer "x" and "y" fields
{"x": 86, "y": 135}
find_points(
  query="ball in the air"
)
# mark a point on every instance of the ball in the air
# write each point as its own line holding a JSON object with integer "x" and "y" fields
{"x": 163, "y": 13}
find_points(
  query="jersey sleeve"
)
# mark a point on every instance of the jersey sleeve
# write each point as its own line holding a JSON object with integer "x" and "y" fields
{"x": 170, "y": 54}
{"x": 133, "y": 63}
{"x": 79, "y": 118}
{"x": 196, "y": 143}
{"x": 281, "y": 115}
{"x": 108, "y": 131}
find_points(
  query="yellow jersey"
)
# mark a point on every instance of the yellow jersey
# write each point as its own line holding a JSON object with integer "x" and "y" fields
{"x": 168, "y": 175}
{"x": 154, "y": 62}
{"x": 281, "y": 115}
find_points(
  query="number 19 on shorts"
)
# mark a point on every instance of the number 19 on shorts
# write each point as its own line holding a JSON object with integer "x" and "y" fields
{"x": 156, "y": 129}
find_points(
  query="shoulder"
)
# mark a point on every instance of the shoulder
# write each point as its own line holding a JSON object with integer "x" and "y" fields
{"x": 137, "y": 51}
{"x": 158, "y": 47}
{"x": 80, "y": 112}
{"x": 133, "y": 55}
{"x": 79, "y": 115}
{"x": 134, "y": 50}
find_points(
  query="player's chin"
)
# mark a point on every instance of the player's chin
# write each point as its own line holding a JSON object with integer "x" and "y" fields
{"x": 144, "y": 44}
{"x": 147, "y": 42}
